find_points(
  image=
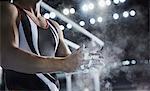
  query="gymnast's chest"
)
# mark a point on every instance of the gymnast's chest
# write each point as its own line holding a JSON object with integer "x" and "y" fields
{"x": 42, "y": 40}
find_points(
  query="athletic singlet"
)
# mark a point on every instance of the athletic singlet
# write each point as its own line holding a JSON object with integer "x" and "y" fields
{"x": 35, "y": 34}
{"x": 31, "y": 44}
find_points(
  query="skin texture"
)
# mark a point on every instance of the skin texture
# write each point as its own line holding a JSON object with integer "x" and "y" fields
{"x": 16, "y": 59}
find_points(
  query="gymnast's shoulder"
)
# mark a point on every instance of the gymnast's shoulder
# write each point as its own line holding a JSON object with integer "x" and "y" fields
{"x": 13, "y": 10}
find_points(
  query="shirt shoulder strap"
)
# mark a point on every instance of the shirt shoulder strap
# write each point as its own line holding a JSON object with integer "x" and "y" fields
{"x": 22, "y": 17}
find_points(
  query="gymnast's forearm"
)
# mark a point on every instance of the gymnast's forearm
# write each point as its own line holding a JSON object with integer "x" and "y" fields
{"x": 21, "y": 61}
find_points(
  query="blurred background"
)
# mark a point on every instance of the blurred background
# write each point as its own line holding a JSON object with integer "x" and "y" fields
{"x": 123, "y": 27}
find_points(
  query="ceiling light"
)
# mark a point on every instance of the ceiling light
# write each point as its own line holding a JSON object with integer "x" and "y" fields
{"x": 66, "y": 11}
{"x": 99, "y": 19}
{"x": 116, "y": 16}
{"x": 85, "y": 7}
{"x": 125, "y": 14}
{"x": 82, "y": 23}
{"x": 52, "y": 15}
{"x": 108, "y": 2}
{"x": 46, "y": 15}
{"x": 69, "y": 26}
{"x": 122, "y": 1}
{"x": 116, "y": 1}
{"x": 102, "y": 3}
{"x": 72, "y": 10}
{"x": 92, "y": 21}
{"x": 132, "y": 12}
{"x": 91, "y": 6}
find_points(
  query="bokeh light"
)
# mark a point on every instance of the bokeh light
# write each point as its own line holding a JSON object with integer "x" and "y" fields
{"x": 46, "y": 15}
{"x": 72, "y": 11}
{"x": 92, "y": 21}
{"x": 66, "y": 11}
{"x": 99, "y": 19}
{"x": 132, "y": 13}
{"x": 52, "y": 15}
{"x": 82, "y": 23}
{"x": 69, "y": 26}
{"x": 125, "y": 14}
{"x": 116, "y": 1}
{"x": 116, "y": 16}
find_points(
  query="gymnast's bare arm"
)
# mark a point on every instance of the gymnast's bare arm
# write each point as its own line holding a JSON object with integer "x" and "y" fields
{"x": 16, "y": 59}
{"x": 63, "y": 49}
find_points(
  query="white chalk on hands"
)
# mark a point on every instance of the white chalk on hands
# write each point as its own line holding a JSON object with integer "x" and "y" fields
{"x": 82, "y": 67}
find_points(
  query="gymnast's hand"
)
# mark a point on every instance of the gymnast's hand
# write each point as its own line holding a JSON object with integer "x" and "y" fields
{"x": 75, "y": 60}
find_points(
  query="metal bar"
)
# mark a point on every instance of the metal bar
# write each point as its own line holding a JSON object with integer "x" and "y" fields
{"x": 68, "y": 81}
{"x": 71, "y": 44}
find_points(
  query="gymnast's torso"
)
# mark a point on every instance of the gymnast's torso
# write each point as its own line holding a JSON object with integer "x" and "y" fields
{"x": 42, "y": 41}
